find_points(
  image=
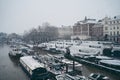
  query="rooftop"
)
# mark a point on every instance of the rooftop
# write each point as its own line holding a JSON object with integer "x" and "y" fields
{"x": 31, "y": 62}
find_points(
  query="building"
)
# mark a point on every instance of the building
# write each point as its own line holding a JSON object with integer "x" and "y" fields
{"x": 97, "y": 33}
{"x": 111, "y": 28}
{"x": 65, "y": 32}
{"x": 83, "y": 29}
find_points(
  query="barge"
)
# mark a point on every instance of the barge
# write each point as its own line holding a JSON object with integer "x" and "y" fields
{"x": 100, "y": 66}
{"x": 34, "y": 69}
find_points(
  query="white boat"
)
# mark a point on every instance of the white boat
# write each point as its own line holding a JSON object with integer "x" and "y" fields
{"x": 72, "y": 65}
{"x": 58, "y": 46}
{"x": 15, "y": 52}
{"x": 33, "y": 68}
{"x": 52, "y": 65}
{"x": 83, "y": 51}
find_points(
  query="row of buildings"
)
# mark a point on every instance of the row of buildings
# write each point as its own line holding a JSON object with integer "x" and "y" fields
{"x": 105, "y": 29}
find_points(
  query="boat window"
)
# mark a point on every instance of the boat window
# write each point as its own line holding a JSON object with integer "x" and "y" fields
{"x": 94, "y": 46}
{"x": 94, "y": 75}
{"x": 79, "y": 50}
{"x": 40, "y": 70}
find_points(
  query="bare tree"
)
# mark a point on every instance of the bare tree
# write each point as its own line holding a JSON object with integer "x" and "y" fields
{"x": 43, "y": 33}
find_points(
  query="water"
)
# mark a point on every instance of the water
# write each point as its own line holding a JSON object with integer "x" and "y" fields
{"x": 87, "y": 70}
{"x": 11, "y": 70}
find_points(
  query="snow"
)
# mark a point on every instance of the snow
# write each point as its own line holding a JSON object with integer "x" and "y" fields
{"x": 91, "y": 21}
{"x": 116, "y": 48}
{"x": 111, "y": 62}
{"x": 103, "y": 57}
{"x": 31, "y": 62}
{"x": 31, "y": 46}
{"x": 83, "y": 50}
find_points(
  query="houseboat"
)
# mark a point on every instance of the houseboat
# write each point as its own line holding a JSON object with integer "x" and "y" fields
{"x": 115, "y": 64}
{"x": 83, "y": 51}
{"x": 34, "y": 69}
{"x": 15, "y": 53}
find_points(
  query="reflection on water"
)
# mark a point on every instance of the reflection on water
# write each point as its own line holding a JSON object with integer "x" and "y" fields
{"x": 9, "y": 68}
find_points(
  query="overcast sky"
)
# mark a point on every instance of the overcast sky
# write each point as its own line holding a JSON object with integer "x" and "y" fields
{"x": 19, "y": 15}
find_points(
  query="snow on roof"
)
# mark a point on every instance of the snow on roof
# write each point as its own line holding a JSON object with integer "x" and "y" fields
{"x": 103, "y": 57}
{"x": 83, "y": 50}
{"x": 31, "y": 62}
{"x": 91, "y": 21}
{"x": 116, "y": 17}
{"x": 111, "y": 62}
{"x": 31, "y": 46}
{"x": 91, "y": 43}
{"x": 116, "y": 48}
{"x": 98, "y": 25}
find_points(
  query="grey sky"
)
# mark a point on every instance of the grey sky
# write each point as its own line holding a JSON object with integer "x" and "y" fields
{"x": 19, "y": 15}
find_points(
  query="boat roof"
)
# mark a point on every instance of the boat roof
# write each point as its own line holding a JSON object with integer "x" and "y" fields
{"x": 103, "y": 57}
{"x": 70, "y": 77}
{"x": 31, "y": 62}
{"x": 111, "y": 62}
{"x": 83, "y": 50}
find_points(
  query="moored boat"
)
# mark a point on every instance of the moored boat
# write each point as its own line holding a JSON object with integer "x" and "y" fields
{"x": 96, "y": 76}
{"x": 16, "y": 53}
{"x": 111, "y": 63}
{"x": 34, "y": 69}
{"x": 70, "y": 77}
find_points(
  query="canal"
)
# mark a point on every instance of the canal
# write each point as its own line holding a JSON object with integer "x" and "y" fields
{"x": 11, "y": 70}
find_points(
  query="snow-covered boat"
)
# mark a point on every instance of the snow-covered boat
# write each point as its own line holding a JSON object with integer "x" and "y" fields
{"x": 15, "y": 52}
{"x": 83, "y": 51}
{"x": 34, "y": 69}
{"x": 111, "y": 63}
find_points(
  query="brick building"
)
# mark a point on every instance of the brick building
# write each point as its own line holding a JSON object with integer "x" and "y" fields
{"x": 83, "y": 29}
{"x": 97, "y": 33}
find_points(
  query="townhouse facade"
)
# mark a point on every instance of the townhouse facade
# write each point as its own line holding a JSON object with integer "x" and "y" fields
{"x": 111, "y": 28}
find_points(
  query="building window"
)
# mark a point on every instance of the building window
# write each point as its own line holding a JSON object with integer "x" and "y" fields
{"x": 111, "y": 33}
{"x": 105, "y": 22}
{"x": 106, "y": 28}
{"x": 114, "y": 22}
{"x": 117, "y": 27}
{"x": 110, "y": 28}
{"x": 114, "y": 33}
{"x": 114, "y": 27}
{"x": 117, "y": 32}
{"x": 117, "y": 22}
{"x": 110, "y": 22}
